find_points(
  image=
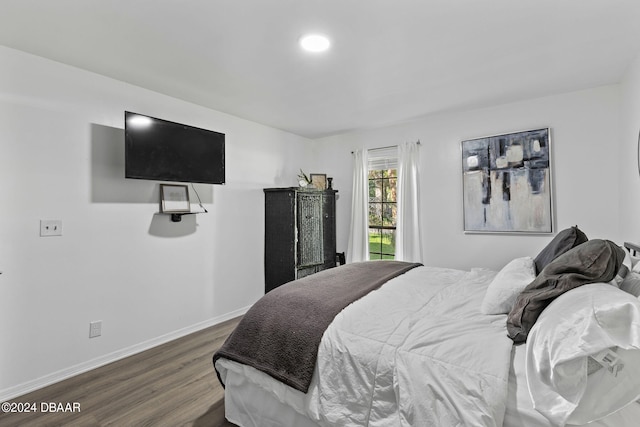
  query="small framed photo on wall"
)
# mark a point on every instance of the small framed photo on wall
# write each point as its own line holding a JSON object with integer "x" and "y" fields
{"x": 319, "y": 180}
{"x": 174, "y": 198}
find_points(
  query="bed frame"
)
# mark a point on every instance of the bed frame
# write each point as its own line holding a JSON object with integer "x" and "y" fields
{"x": 632, "y": 248}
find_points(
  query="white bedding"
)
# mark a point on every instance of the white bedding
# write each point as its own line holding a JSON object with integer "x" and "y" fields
{"x": 593, "y": 319}
{"x": 416, "y": 352}
{"x": 253, "y": 399}
{"x": 426, "y": 321}
{"x": 521, "y": 413}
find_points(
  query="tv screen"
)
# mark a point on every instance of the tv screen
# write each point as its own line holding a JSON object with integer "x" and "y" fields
{"x": 161, "y": 150}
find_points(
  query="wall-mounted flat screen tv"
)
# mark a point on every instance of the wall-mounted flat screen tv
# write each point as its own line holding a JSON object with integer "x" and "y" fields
{"x": 161, "y": 150}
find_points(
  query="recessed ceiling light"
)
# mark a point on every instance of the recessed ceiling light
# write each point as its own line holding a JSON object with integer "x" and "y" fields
{"x": 315, "y": 43}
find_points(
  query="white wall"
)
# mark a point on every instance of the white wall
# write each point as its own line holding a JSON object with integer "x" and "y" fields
{"x": 585, "y": 156}
{"x": 147, "y": 279}
{"x": 628, "y": 159}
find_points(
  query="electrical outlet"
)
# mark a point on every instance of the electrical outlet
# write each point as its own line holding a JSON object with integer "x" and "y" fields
{"x": 50, "y": 227}
{"x": 95, "y": 329}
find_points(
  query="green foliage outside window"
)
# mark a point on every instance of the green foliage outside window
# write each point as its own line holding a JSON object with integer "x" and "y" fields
{"x": 382, "y": 213}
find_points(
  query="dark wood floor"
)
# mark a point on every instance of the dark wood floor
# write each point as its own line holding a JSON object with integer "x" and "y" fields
{"x": 171, "y": 385}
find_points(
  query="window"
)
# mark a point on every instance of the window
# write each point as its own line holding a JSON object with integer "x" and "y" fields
{"x": 385, "y": 221}
{"x": 382, "y": 213}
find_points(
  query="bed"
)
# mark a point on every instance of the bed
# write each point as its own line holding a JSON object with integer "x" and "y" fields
{"x": 542, "y": 342}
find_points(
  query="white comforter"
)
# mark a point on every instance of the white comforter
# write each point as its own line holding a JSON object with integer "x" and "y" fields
{"x": 416, "y": 352}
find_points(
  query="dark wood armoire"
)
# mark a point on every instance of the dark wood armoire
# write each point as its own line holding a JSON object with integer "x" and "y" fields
{"x": 300, "y": 233}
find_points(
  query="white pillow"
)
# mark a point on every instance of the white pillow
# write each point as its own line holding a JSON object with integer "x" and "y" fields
{"x": 581, "y": 323}
{"x": 624, "y": 270}
{"x": 631, "y": 283}
{"x": 503, "y": 291}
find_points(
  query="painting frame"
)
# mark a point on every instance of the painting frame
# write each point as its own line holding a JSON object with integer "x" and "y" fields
{"x": 319, "y": 180}
{"x": 174, "y": 198}
{"x": 506, "y": 183}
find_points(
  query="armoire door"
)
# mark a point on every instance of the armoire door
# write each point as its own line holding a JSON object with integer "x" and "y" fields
{"x": 310, "y": 237}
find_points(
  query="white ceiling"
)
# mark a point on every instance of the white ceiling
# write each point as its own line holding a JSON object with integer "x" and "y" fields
{"x": 391, "y": 60}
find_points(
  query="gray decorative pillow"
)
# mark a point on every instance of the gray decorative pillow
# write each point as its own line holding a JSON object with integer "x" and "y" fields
{"x": 591, "y": 262}
{"x": 565, "y": 240}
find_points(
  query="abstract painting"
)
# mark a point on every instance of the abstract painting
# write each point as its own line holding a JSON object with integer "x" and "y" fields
{"x": 507, "y": 183}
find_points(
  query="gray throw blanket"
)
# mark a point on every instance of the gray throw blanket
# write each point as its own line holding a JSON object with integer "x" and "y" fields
{"x": 280, "y": 333}
{"x": 590, "y": 262}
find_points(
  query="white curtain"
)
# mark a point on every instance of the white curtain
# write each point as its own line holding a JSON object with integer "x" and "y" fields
{"x": 408, "y": 237}
{"x": 358, "y": 247}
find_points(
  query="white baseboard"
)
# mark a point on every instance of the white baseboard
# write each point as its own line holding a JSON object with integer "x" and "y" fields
{"x": 63, "y": 374}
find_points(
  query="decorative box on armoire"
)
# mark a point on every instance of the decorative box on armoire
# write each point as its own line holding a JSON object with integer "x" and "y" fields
{"x": 300, "y": 233}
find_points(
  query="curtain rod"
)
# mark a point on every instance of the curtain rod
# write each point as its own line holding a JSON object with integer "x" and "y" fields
{"x": 388, "y": 146}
